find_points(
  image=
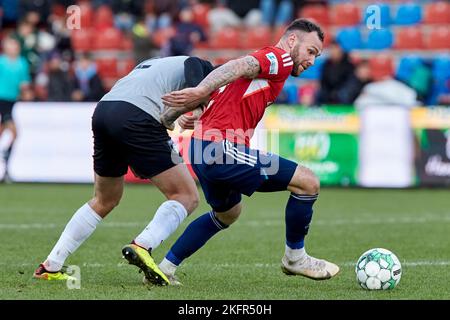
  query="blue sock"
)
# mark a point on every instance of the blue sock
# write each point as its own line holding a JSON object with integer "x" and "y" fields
{"x": 194, "y": 237}
{"x": 298, "y": 216}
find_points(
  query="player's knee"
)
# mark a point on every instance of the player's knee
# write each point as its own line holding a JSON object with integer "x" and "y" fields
{"x": 104, "y": 206}
{"x": 193, "y": 203}
{"x": 313, "y": 185}
{"x": 190, "y": 200}
{"x": 110, "y": 204}
{"x": 230, "y": 216}
{"x": 304, "y": 182}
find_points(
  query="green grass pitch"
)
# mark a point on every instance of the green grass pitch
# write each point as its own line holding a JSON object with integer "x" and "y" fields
{"x": 242, "y": 262}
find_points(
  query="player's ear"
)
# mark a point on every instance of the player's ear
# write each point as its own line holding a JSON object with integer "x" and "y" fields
{"x": 291, "y": 38}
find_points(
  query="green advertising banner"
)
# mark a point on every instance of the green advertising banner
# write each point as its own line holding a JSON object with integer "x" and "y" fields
{"x": 432, "y": 139}
{"x": 324, "y": 140}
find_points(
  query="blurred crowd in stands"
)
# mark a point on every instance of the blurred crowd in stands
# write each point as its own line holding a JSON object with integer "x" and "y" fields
{"x": 411, "y": 46}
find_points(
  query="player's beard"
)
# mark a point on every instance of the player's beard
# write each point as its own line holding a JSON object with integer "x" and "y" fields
{"x": 295, "y": 58}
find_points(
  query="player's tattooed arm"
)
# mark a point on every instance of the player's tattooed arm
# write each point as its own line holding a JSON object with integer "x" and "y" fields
{"x": 180, "y": 102}
{"x": 247, "y": 67}
{"x": 190, "y": 98}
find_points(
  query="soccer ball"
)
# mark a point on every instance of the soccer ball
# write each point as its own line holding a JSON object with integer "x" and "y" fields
{"x": 378, "y": 269}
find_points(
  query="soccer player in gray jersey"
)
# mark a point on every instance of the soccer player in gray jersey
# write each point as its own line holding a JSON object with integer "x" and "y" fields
{"x": 128, "y": 133}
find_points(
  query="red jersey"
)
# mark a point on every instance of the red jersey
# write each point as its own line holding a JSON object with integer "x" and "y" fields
{"x": 235, "y": 109}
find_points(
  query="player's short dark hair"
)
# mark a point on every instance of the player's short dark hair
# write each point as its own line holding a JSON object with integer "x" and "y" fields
{"x": 305, "y": 26}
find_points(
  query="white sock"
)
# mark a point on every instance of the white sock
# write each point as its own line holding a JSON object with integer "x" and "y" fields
{"x": 166, "y": 220}
{"x": 167, "y": 267}
{"x": 295, "y": 254}
{"x": 79, "y": 228}
{"x": 6, "y": 140}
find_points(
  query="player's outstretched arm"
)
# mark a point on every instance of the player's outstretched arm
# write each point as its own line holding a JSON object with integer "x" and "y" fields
{"x": 180, "y": 102}
{"x": 190, "y": 98}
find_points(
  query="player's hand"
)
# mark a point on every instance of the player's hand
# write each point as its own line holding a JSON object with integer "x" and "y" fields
{"x": 188, "y": 98}
{"x": 188, "y": 120}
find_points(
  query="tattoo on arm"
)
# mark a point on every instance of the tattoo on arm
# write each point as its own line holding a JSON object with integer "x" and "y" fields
{"x": 170, "y": 115}
{"x": 247, "y": 66}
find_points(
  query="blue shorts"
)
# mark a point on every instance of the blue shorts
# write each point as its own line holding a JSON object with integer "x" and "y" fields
{"x": 226, "y": 171}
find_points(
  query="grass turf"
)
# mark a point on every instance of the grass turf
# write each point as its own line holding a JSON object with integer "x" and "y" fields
{"x": 242, "y": 262}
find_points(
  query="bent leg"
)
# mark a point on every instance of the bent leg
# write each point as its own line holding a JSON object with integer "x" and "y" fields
{"x": 9, "y": 128}
{"x": 108, "y": 192}
{"x": 197, "y": 234}
{"x": 179, "y": 188}
{"x": 304, "y": 187}
{"x": 177, "y": 184}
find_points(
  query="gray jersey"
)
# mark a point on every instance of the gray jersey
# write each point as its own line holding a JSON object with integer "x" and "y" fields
{"x": 150, "y": 80}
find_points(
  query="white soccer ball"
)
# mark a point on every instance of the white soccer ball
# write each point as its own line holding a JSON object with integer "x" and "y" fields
{"x": 378, "y": 269}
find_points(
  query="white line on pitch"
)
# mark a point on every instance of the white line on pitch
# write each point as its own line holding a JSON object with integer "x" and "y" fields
{"x": 253, "y": 223}
{"x": 232, "y": 265}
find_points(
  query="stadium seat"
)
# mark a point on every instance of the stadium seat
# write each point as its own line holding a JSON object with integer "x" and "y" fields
{"x": 108, "y": 39}
{"x": 125, "y": 66}
{"x": 349, "y": 39}
{"x": 408, "y": 14}
{"x": 109, "y": 82}
{"x": 406, "y": 65}
{"x": 328, "y": 36}
{"x": 409, "y": 38}
{"x": 439, "y": 38}
{"x": 82, "y": 40}
{"x": 87, "y": 15}
{"x": 379, "y": 39}
{"x": 437, "y": 12}
{"x": 161, "y": 36}
{"x": 381, "y": 66}
{"x": 441, "y": 68}
{"x": 103, "y": 17}
{"x": 255, "y": 38}
{"x": 318, "y": 13}
{"x": 277, "y": 33}
{"x": 385, "y": 14}
{"x": 226, "y": 38}
{"x": 200, "y": 11}
{"x": 127, "y": 44}
{"x": 345, "y": 14}
{"x": 107, "y": 67}
{"x": 291, "y": 91}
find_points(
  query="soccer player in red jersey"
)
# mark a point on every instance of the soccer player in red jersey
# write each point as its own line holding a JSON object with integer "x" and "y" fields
{"x": 226, "y": 166}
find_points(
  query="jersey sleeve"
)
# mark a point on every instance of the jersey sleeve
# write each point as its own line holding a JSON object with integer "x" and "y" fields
{"x": 274, "y": 65}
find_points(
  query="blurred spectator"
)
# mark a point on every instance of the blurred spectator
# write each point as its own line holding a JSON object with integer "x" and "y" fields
{"x": 160, "y": 14}
{"x": 27, "y": 36}
{"x": 421, "y": 80}
{"x": 307, "y": 93}
{"x": 387, "y": 92}
{"x": 35, "y": 11}
{"x": 144, "y": 47}
{"x": 125, "y": 12}
{"x": 187, "y": 34}
{"x": 277, "y": 12}
{"x": 57, "y": 23}
{"x": 336, "y": 71}
{"x": 248, "y": 11}
{"x": 351, "y": 88}
{"x": 57, "y": 79}
{"x": 220, "y": 16}
{"x": 88, "y": 85}
{"x": 14, "y": 80}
